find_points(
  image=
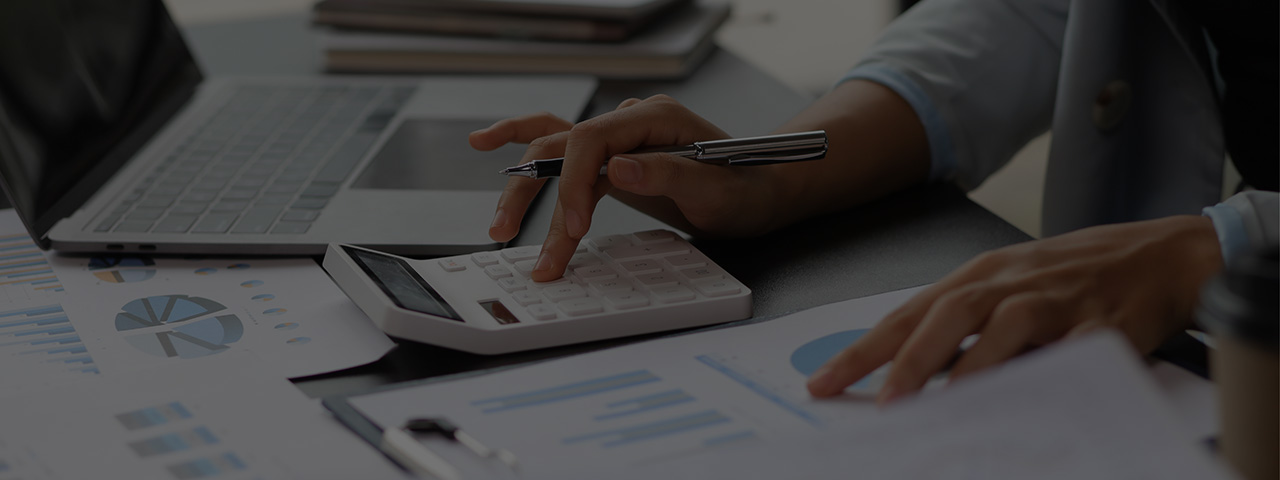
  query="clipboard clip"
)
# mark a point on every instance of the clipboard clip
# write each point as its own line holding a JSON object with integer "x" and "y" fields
{"x": 402, "y": 445}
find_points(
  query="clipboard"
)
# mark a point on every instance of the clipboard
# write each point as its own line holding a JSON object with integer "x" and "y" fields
{"x": 341, "y": 407}
{"x": 397, "y": 444}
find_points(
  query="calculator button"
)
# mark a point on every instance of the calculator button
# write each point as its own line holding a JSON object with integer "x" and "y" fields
{"x": 655, "y": 236}
{"x": 610, "y": 241}
{"x": 563, "y": 291}
{"x": 497, "y": 271}
{"x": 511, "y": 284}
{"x": 516, "y": 254}
{"x": 703, "y": 273}
{"x": 452, "y": 265}
{"x": 673, "y": 294}
{"x": 598, "y": 272}
{"x": 542, "y": 312}
{"x": 637, "y": 251}
{"x": 641, "y": 266}
{"x": 484, "y": 259}
{"x": 627, "y": 300}
{"x": 583, "y": 260}
{"x": 526, "y": 298}
{"x": 688, "y": 260}
{"x": 657, "y": 279}
{"x": 580, "y": 306}
{"x": 581, "y": 248}
{"x": 615, "y": 285}
{"x": 718, "y": 288}
{"x": 524, "y": 267}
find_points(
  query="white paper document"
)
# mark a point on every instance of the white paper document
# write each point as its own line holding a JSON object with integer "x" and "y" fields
{"x": 685, "y": 399}
{"x": 64, "y": 318}
{"x": 1085, "y": 408}
{"x": 223, "y": 418}
{"x": 141, "y": 310}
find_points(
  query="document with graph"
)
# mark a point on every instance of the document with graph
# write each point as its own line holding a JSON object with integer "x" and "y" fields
{"x": 212, "y": 417}
{"x": 66, "y": 318}
{"x": 653, "y": 401}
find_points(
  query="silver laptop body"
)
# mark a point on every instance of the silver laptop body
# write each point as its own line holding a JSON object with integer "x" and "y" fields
{"x": 146, "y": 156}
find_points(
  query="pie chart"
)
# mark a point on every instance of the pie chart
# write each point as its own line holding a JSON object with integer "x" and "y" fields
{"x": 812, "y": 355}
{"x": 178, "y": 326}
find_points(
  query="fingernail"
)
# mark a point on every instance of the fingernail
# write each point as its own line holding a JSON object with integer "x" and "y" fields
{"x": 573, "y": 222}
{"x": 820, "y": 381}
{"x": 499, "y": 219}
{"x": 887, "y": 394}
{"x": 544, "y": 262}
{"x": 627, "y": 170}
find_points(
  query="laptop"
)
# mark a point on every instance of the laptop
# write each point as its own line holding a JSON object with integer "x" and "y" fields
{"x": 111, "y": 140}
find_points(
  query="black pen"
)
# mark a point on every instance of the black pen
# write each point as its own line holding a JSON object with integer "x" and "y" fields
{"x": 787, "y": 147}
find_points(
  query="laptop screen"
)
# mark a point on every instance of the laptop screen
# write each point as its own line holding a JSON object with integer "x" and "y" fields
{"x": 83, "y": 85}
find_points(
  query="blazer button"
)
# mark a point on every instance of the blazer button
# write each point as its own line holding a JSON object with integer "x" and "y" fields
{"x": 1112, "y": 104}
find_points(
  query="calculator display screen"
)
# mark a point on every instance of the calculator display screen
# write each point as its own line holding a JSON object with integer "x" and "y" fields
{"x": 400, "y": 282}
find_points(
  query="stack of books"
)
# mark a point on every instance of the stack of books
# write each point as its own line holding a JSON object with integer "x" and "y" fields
{"x": 621, "y": 39}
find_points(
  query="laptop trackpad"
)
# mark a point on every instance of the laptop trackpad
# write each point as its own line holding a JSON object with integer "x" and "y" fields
{"x": 435, "y": 155}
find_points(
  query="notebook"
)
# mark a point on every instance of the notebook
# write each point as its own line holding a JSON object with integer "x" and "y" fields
{"x": 671, "y": 48}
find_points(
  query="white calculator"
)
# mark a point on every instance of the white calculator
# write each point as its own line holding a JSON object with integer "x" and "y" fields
{"x": 615, "y": 285}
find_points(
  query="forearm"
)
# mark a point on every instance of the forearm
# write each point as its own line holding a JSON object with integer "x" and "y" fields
{"x": 877, "y": 146}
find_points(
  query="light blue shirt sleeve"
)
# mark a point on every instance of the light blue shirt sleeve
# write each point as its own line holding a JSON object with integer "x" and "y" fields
{"x": 981, "y": 76}
{"x": 942, "y": 156}
{"x": 1247, "y": 220}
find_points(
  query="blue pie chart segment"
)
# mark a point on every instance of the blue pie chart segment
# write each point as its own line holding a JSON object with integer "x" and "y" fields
{"x": 163, "y": 309}
{"x": 179, "y": 326}
{"x": 810, "y": 356}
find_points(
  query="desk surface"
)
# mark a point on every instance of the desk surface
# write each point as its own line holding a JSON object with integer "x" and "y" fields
{"x": 909, "y": 239}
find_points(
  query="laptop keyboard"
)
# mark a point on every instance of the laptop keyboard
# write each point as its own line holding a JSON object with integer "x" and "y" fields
{"x": 266, "y": 163}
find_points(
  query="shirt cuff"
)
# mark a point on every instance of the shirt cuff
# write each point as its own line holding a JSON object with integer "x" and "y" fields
{"x": 1233, "y": 237}
{"x": 942, "y": 161}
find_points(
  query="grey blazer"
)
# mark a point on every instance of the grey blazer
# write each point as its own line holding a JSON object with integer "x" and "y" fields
{"x": 1126, "y": 86}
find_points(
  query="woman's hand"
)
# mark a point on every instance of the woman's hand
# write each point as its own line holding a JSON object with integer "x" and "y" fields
{"x": 1141, "y": 278}
{"x": 685, "y": 193}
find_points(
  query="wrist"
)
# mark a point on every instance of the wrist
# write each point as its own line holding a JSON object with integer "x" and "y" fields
{"x": 1195, "y": 246}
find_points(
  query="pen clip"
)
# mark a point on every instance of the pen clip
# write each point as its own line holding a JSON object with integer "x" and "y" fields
{"x": 749, "y": 159}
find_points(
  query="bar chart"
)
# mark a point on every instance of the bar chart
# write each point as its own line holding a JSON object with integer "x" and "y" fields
{"x": 41, "y": 340}
{"x": 25, "y": 274}
{"x": 152, "y": 416}
{"x": 172, "y": 444}
{"x": 180, "y": 441}
{"x": 634, "y": 414}
{"x": 207, "y": 467}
